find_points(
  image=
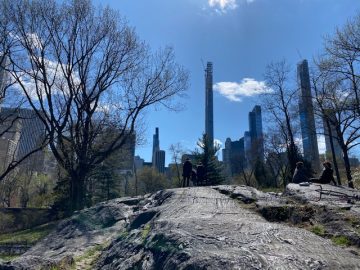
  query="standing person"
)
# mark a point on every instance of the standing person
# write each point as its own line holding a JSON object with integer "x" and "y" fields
{"x": 187, "y": 169}
{"x": 326, "y": 176}
{"x": 194, "y": 177}
{"x": 200, "y": 174}
{"x": 300, "y": 173}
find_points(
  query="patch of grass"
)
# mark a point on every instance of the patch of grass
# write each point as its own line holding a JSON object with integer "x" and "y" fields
{"x": 123, "y": 234}
{"x": 8, "y": 257}
{"x": 145, "y": 231}
{"x": 90, "y": 253}
{"x": 318, "y": 230}
{"x": 340, "y": 240}
{"x": 29, "y": 236}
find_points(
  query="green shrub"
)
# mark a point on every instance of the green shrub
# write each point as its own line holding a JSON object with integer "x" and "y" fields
{"x": 318, "y": 230}
{"x": 340, "y": 240}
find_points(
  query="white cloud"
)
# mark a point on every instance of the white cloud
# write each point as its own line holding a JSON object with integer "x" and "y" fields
{"x": 248, "y": 87}
{"x": 222, "y": 6}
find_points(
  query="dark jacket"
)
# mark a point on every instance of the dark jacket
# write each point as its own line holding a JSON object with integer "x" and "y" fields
{"x": 200, "y": 172}
{"x": 300, "y": 176}
{"x": 187, "y": 168}
{"x": 327, "y": 177}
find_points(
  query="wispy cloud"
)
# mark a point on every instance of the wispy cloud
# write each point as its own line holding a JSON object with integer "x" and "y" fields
{"x": 248, "y": 87}
{"x": 222, "y": 6}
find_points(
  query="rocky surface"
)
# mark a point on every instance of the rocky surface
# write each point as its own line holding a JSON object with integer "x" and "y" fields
{"x": 228, "y": 227}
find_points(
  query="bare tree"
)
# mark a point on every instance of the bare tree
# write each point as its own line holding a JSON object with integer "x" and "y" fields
{"x": 342, "y": 58}
{"x": 336, "y": 108}
{"x": 276, "y": 159}
{"x": 86, "y": 73}
{"x": 177, "y": 151}
{"x": 280, "y": 104}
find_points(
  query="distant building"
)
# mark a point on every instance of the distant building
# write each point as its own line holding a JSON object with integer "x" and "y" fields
{"x": 3, "y": 74}
{"x": 158, "y": 156}
{"x": 160, "y": 161}
{"x": 125, "y": 156}
{"x": 256, "y": 134}
{"x": 234, "y": 157}
{"x": 23, "y": 132}
{"x": 209, "y": 107}
{"x": 307, "y": 119}
{"x": 247, "y": 146}
{"x": 156, "y": 144}
{"x": 138, "y": 163}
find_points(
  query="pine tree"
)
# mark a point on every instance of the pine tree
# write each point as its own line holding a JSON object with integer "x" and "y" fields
{"x": 207, "y": 156}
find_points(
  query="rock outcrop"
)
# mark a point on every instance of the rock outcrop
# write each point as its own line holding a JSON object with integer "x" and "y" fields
{"x": 223, "y": 227}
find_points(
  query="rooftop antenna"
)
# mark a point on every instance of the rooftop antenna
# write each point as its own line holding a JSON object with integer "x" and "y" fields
{"x": 203, "y": 65}
{"x": 299, "y": 54}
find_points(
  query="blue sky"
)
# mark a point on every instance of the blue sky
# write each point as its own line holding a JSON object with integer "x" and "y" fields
{"x": 240, "y": 37}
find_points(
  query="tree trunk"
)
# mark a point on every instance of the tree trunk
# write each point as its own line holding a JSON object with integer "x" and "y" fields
{"x": 333, "y": 152}
{"x": 347, "y": 167}
{"x": 78, "y": 191}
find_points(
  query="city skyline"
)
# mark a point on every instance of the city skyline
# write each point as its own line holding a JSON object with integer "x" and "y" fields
{"x": 254, "y": 34}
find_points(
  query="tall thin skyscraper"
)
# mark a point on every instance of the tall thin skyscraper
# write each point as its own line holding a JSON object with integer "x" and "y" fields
{"x": 156, "y": 144}
{"x": 307, "y": 120}
{"x": 209, "y": 110}
{"x": 3, "y": 74}
{"x": 158, "y": 156}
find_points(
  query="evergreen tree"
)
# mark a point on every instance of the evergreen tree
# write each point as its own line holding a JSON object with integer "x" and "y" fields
{"x": 207, "y": 156}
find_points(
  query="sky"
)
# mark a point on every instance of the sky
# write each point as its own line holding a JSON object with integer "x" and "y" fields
{"x": 240, "y": 37}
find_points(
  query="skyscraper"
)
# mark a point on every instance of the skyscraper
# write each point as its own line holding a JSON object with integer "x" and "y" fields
{"x": 209, "y": 110}
{"x": 256, "y": 133}
{"x": 247, "y": 147}
{"x": 156, "y": 144}
{"x": 3, "y": 74}
{"x": 24, "y": 132}
{"x": 158, "y": 156}
{"x": 234, "y": 157}
{"x": 307, "y": 120}
{"x": 160, "y": 161}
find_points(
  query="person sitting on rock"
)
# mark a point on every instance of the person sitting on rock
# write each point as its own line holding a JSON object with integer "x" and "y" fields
{"x": 300, "y": 173}
{"x": 326, "y": 176}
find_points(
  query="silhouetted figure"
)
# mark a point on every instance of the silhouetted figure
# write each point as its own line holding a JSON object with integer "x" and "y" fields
{"x": 326, "y": 176}
{"x": 187, "y": 169}
{"x": 300, "y": 174}
{"x": 194, "y": 177}
{"x": 200, "y": 174}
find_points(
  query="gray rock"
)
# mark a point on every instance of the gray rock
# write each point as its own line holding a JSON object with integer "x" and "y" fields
{"x": 223, "y": 227}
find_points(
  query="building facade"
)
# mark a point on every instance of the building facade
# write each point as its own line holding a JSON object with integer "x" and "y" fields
{"x": 22, "y": 132}
{"x": 209, "y": 105}
{"x": 307, "y": 119}
{"x": 3, "y": 74}
{"x": 158, "y": 156}
{"x": 256, "y": 134}
{"x": 160, "y": 161}
{"x": 234, "y": 157}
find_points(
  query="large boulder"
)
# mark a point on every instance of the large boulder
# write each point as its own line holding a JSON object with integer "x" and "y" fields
{"x": 224, "y": 227}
